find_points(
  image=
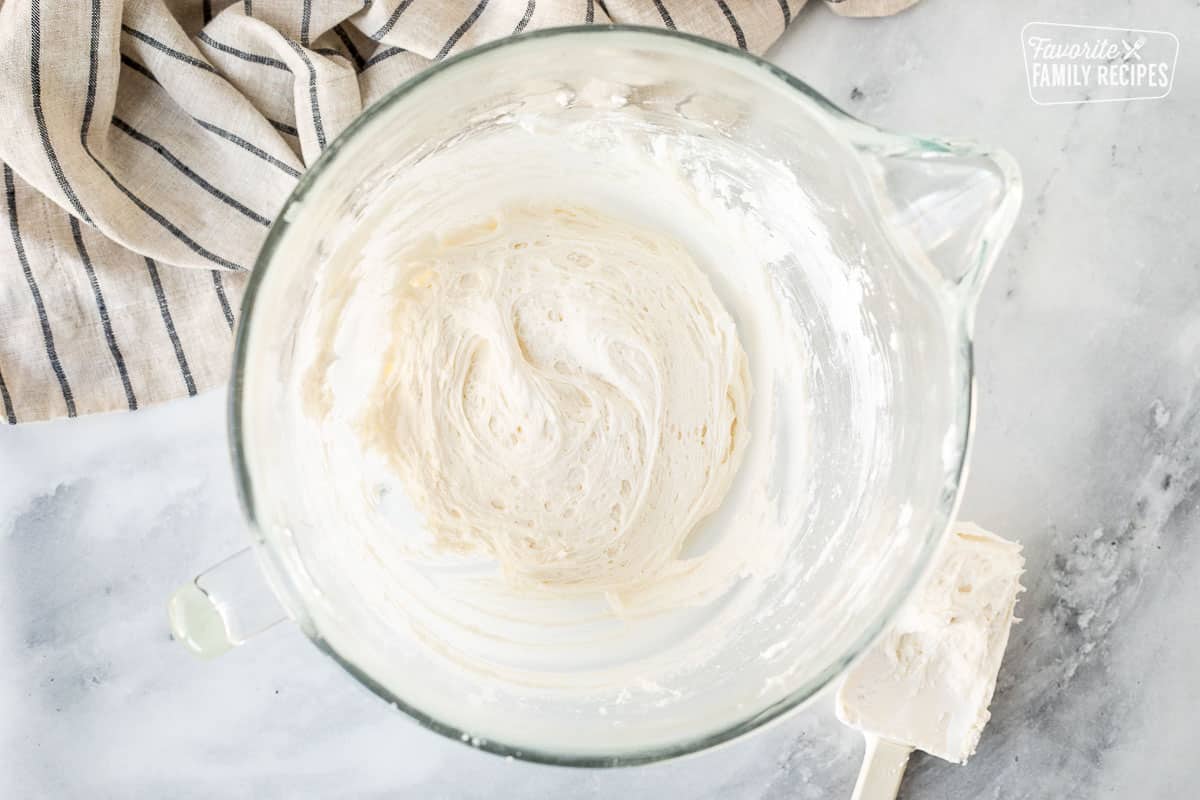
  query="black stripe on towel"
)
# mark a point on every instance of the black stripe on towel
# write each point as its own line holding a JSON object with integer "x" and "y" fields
{"x": 174, "y": 161}
{"x": 318, "y": 125}
{"x": 249, "y": 148}
{"x": 224, "y": 134}
{"x": 733, "y": 23}
{"x": 10, "y": 193}
{"x": 590, "y": 16}
{"x": 283, "y": 127}
{"x": 9, "y": 412}
{"x": 253, "y": 58}
{"x": 461, "y": 29}
{"x": 391, "y": 21}
{"x": 102, "y": 309}
{"x": 170, "y": 324}
{"x": 173, "y": 229}
{"x": 529, "y": 15}
{"x": 359, "y": 61}
{"x": 77, "y": 233}
{"x": 136, "y": 67}
{"x": 305, "y": 21}
{"x": 787, "y": 13}
{"x": 222, "y": 298}
{"x": 89, "y": 104}
{"x": 662, "y": 12}
{"x": 383, "y": 56}
{"x": 175, "y": 54}
{"x": 35, "y": 85}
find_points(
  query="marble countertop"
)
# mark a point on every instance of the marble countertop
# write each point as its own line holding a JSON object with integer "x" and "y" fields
{"x": 1088, "y": 451}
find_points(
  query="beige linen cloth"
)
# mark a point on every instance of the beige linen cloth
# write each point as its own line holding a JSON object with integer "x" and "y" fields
{"x": 148, "y": 144}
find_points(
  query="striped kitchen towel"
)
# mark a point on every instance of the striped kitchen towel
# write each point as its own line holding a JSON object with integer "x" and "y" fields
{"x": 147, "y": 145}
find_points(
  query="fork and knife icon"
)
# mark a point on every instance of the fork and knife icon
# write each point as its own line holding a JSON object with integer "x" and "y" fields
{"x": 1131, "y": 49}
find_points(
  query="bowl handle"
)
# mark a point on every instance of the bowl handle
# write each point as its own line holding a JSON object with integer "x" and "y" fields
{"x": 223, "y": 606}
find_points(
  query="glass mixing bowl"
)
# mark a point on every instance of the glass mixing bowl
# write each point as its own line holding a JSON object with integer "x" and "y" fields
{"x": 909, "y": 228}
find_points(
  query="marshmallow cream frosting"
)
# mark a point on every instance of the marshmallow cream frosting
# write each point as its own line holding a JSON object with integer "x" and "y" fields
{"x": 556, "y": 424}
{"x": 555, "y": 389}
{"x": 928, "y": 682}
{"x": 611, "y": 406}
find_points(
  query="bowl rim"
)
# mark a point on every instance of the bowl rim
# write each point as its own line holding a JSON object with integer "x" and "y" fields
{"x": 278, "y": 576}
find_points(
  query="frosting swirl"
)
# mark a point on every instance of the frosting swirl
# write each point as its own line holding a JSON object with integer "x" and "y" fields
{"x": 560, "y": 391}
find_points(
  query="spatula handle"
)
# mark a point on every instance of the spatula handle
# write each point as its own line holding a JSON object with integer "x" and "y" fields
{"x": 882, "y": 768}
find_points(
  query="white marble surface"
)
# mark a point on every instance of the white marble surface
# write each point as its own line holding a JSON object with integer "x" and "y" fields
{"x": 1089, "y": 364}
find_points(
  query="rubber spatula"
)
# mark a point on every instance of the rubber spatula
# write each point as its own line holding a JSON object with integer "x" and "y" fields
{"x": 928, "y": 682}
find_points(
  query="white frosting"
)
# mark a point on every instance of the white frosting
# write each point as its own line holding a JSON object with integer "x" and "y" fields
{"x": 421, "y": 295}
{"x": 928, "y": 682}
{"x": 763, "y": 217}
{"x": 425, "y": 336}
{"x": 557, "y": 390}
